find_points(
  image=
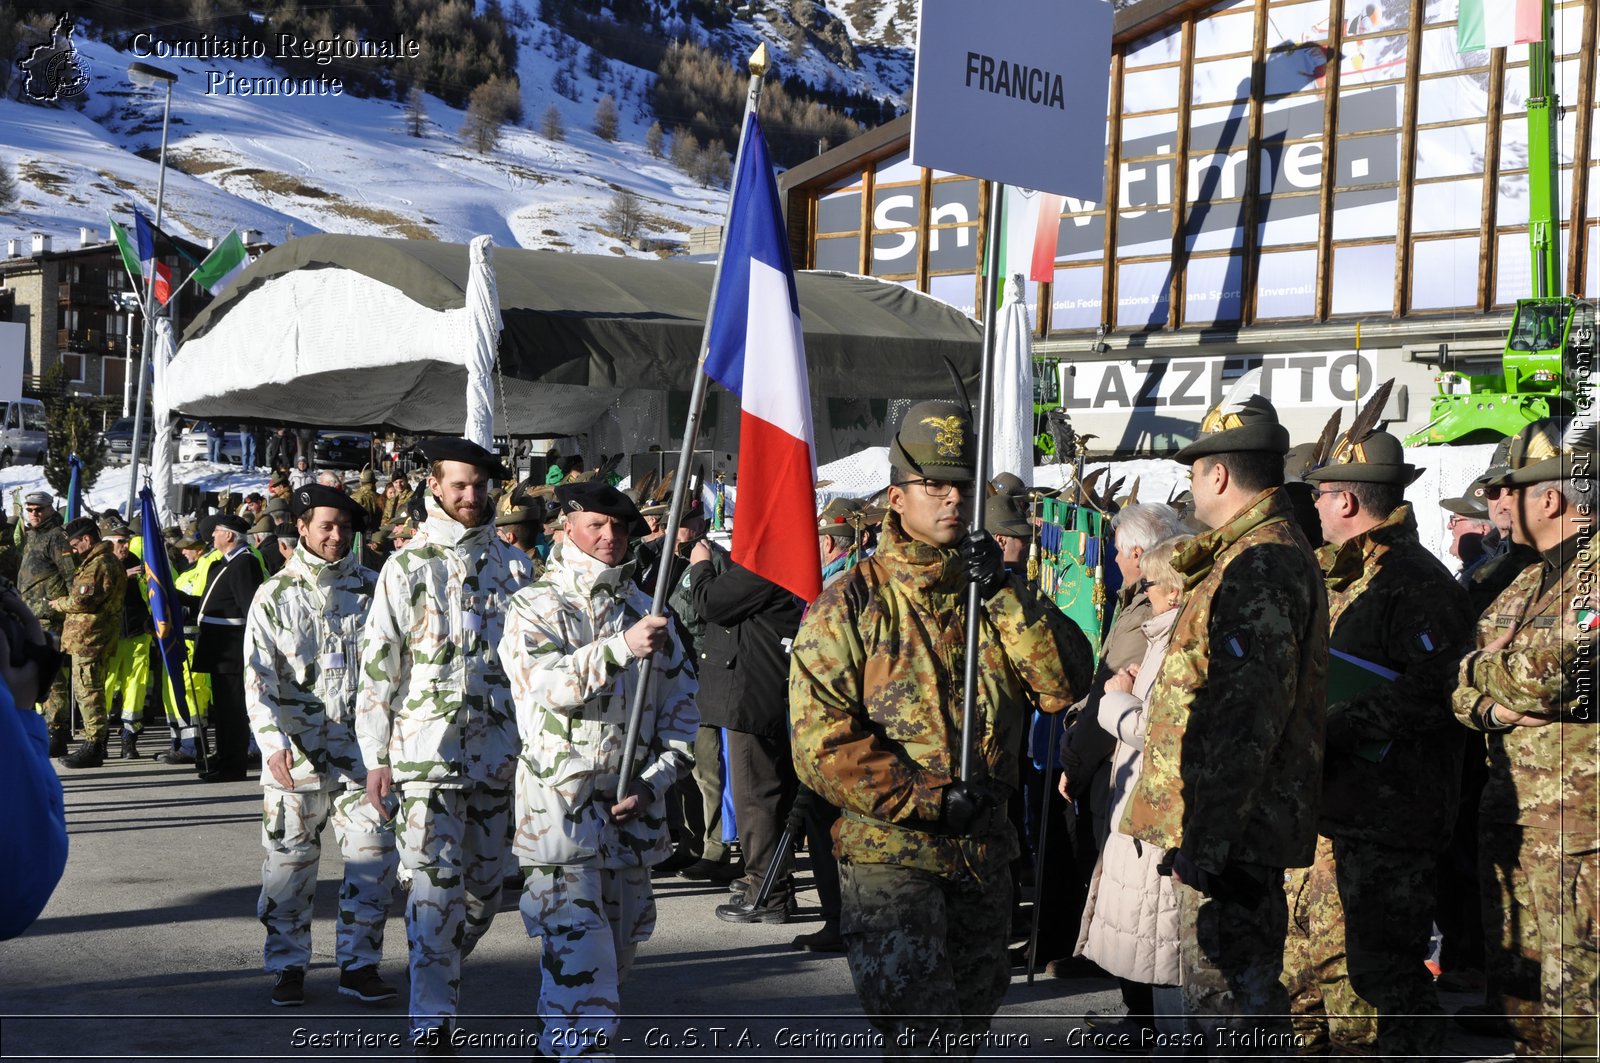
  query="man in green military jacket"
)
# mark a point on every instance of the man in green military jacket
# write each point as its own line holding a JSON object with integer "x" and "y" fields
{"x": 875, "y": 704}
{"x": 1234, "y": 749}
{"x": 1361, "y": 915}
{"x": 1530, "y": 684}
{"x": 92, "y": 606}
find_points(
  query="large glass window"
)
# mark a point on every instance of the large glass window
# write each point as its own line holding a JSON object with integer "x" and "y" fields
{"x": 1363, "y": 279}
{"x": 1444, "y": 274}
{"x": 1286, "y": 285}
{"x": 1076, "y": 299}
{"x": 1144, "y": 293}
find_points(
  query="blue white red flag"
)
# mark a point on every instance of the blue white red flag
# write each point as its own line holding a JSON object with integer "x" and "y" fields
{"x": 756, "y": 350}
{"x": 156, "y": 272}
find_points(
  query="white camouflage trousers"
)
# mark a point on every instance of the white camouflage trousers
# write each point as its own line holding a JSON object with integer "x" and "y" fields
{"x": 592, "y": 920}
{"x": 291, "y": 832}
{"x": 457, "y": 845}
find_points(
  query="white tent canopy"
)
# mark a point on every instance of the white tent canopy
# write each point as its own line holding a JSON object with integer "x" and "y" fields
{"x": 359, "y": 331}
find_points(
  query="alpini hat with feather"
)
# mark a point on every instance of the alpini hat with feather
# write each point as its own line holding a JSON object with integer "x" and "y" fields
{"x": 1555, "y": 448}
{"x": 1243, "y": 420}
{"x": 1378, "y": 458}
{"x": 936, "y": 442}
{"x": 1364, "y": 454}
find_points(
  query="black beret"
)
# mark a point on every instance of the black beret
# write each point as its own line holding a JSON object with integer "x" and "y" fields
{"x": 306, "y": 497}
{"x": 593, "y": 496}
{"x": 454, "y": 448}
{"x": 231, "y": 522}
{"x": 82, "y": 526}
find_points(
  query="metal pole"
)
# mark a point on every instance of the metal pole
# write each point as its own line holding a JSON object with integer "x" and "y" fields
{"x": 691, "y": 432}
{"x": 149, "y": 317}
{"x": 991, "y": 289}
{"x": 127, "y": 372}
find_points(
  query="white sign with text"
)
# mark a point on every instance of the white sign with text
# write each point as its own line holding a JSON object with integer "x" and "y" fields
{"x": 1014, "y": 91}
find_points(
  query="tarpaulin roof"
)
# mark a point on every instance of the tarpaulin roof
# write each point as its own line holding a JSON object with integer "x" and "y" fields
{"x": 356, "y": 330}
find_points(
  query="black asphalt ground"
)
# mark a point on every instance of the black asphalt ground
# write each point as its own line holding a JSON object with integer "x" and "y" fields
{"x": 150, "y": 950}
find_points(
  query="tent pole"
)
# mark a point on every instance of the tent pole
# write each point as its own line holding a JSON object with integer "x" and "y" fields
{"x": 691, "y": 432}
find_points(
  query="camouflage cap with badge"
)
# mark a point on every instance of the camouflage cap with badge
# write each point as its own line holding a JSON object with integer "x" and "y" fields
{"x": 1555, "y": 448}
{"x": 935, "y": 442}
{"x": 1244, "y": 420}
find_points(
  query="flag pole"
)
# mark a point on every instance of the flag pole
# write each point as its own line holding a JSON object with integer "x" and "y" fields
{"x": 149, "y": 310}
{"x": 758, "y": 65}
{"x": 991, "y": 284}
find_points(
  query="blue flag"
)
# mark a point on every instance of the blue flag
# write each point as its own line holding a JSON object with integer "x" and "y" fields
{"x": 75, "y": 489}
{"x": 164, "y": 608}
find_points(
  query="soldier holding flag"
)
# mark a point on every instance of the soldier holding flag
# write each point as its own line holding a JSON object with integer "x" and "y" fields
{"x": 924, "y": 859}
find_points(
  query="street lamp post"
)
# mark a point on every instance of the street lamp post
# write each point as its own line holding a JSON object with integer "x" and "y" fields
{"x": 146, "y": 75}
{"x": 129, "y": 303}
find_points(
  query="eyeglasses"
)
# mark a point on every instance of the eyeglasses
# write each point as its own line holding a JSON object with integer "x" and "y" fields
{"x": 1492, "y": 493}
{"x": 940, "y": 488}
{"x": 1319, "y": 492}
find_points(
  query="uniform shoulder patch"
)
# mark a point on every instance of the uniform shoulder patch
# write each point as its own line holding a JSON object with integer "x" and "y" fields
{"x": 1236, "y": 643}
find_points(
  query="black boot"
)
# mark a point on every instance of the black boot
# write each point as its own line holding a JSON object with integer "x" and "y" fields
{"x": 87, "y": 755}
{"x": 130, "y": 746}
{"x": 60, "y": 741}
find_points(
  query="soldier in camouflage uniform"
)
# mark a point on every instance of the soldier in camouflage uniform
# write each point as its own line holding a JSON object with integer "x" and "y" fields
{"x": 571, "y": 646}
{"x": 92, "y": 606}
{"x": 1530, "y": 684}
{"x": 435, "y": 722}
{"x": 1233, "y": 754}
{"x": 1360, "y": 916}
{"x": 300, "y": 685}
{"x": 366, "y": 495}
{"x": 43, "y": 573}
{"x": 874, "y": 703}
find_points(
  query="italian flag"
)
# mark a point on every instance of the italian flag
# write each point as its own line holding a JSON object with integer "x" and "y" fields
{"x": 1032, "y": 229}
{"x": 225, "y": 262}
{"x": 1488, "y": 24}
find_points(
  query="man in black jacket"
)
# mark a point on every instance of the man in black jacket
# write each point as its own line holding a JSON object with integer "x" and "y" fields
{"x": 744, "y": 675}
{"x": 219, "y": 650}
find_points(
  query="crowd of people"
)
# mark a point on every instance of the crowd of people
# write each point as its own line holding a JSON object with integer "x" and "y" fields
{"x": 1301, "y": 747}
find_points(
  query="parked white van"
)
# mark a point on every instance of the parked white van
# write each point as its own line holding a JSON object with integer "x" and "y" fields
{"x": 22, "y": 433}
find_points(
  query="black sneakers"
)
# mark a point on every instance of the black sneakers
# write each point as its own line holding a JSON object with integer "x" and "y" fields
{"x": 290, "y": 992}
{"x": 364, "y": 984}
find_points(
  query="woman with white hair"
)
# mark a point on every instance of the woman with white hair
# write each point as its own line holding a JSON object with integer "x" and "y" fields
{"x": 1130, "y": 921}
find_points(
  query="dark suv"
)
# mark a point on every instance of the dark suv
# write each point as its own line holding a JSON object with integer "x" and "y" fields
{"x": 343, "y": 450}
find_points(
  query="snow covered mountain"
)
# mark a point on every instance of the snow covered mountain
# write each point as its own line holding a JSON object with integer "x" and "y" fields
{"x": 295, "y": 165}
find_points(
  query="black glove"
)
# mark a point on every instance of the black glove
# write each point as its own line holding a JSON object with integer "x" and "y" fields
{"x": 1189, "y": 872}
{"x": 962, "y": 806}
{"x": 985, "y": 565}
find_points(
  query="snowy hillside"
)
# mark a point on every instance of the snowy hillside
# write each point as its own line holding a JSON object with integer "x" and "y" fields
{"x": 292, "y": 166}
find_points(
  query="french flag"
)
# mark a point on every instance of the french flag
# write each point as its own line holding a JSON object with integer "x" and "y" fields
{"x": 156, "y": 272}
{"x": 757, "y": 352}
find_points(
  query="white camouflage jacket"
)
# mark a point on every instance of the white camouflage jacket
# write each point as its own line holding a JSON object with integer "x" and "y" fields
{"x": 433, "y": 702}
{"x": 300, "y": 642}
{"x": 573, "y": 677}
